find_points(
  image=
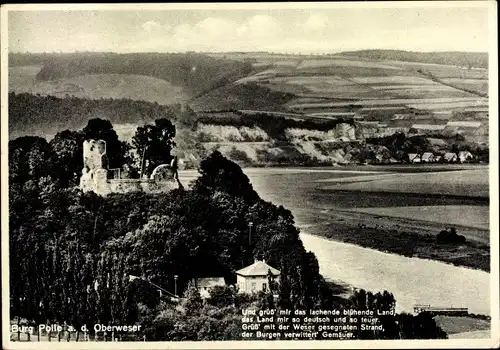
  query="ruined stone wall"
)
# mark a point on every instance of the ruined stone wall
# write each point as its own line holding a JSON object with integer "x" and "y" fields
{"x": 95, "y": 174}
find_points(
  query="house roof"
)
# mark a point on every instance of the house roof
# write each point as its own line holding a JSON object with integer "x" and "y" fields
{"x": 209, "y": 282}
{"x": 429, "y": 126}
{"x": 412, "y": 156}
{"x": 449, "y": 155}
{"x": 427, "y": 155}
{"x": 258, "y": 268}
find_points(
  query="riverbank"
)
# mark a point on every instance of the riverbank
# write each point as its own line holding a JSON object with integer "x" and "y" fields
{"x": 411, "y": 280}
{"x": 401, "y": 236}
{"x": 339, "y": 214}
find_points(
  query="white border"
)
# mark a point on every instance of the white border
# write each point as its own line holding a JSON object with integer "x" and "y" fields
{"x": 494, "y": 341}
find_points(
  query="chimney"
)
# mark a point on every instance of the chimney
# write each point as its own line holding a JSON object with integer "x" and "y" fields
{"x": 255, "y": 260}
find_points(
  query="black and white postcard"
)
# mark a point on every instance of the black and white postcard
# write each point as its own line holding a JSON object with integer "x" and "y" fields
{"x": 259, "y": 175}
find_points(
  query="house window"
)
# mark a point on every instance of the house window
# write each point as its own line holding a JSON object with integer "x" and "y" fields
{"x": 254, "y": 286}
{"x": 264, "y": 287}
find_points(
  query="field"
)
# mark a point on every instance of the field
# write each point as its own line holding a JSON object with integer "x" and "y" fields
{"x": 339, "y": 62}
{"x": 22, "y": 78}
{"x": 376, "y": 84}
{"x": 454, "y": 324}
{"x": 445, "y": 214}
{"x": 468, "y": 183}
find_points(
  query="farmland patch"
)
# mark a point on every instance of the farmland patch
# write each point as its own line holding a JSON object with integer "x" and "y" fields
{"x": 22, "y": 78}
{"x": 466, "y": 101}
{"x": 467, "y": 183}
{"x": 461, "y": 215}
{"x": 308, "y": 63}
{"x": 392, "y": 80}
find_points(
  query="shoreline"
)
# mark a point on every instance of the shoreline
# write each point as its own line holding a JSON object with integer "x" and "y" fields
{"x": 474, "y": 254}
{"x": 386, "y": 272}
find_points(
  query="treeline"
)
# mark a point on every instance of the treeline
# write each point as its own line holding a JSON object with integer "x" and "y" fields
{"x": 461, "y": 59}
{"x": 196, "y": 72}
{"x": 31, "y": 113}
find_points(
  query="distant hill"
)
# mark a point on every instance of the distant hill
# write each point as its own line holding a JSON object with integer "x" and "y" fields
{"x": 96, "y": 86}
{"x": 195, "y": 72}
{"x": 392, "y": 90}
{"x": 461, "y": 59}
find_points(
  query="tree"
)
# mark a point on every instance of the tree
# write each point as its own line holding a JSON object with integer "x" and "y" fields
{"x": 30, "y": 158}
{"x": 422, "y": 326}
{"x": 219, "y": 173}
{"x": 153, "y": 144}
{"x": 68, "y": 150}
{"x": 221, "y": 296}
{"x": 192, "y": 301}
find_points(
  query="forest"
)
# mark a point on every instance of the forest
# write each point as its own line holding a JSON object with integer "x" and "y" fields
{"x": 72, "y": 254}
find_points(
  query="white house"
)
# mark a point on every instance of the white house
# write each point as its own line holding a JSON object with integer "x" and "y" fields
{"x": 450, "y": 157}
{"x": 254, "y": 278}
{"x": 204, "y": 285}
{"x": 465, "y": 156}
{"x": 414, "y": 158}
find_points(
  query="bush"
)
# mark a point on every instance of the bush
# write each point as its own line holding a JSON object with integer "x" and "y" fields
{"x": 450, "y": 236}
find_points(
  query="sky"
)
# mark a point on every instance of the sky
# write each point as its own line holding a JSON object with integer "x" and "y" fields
{"x": 300, "y": 30}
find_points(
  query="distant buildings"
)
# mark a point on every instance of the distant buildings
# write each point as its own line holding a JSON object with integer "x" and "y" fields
{"x": 450, "y": 157}
{"x": 465, "y": 156}
{"x": 254, "y": 278}
{"x": 427, "y": 157}
{"x": 204, "y": 285}
{"x": 414, "y": 158}
{"x": 427, "y": 128}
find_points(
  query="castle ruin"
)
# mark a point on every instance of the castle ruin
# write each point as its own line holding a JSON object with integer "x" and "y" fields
{"x": 96, "y": 174}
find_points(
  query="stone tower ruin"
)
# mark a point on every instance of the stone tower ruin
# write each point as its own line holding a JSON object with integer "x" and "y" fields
{"x": 95, "y": 166}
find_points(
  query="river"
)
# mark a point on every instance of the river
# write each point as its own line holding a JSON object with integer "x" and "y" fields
{"x": 411, "y": 280}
